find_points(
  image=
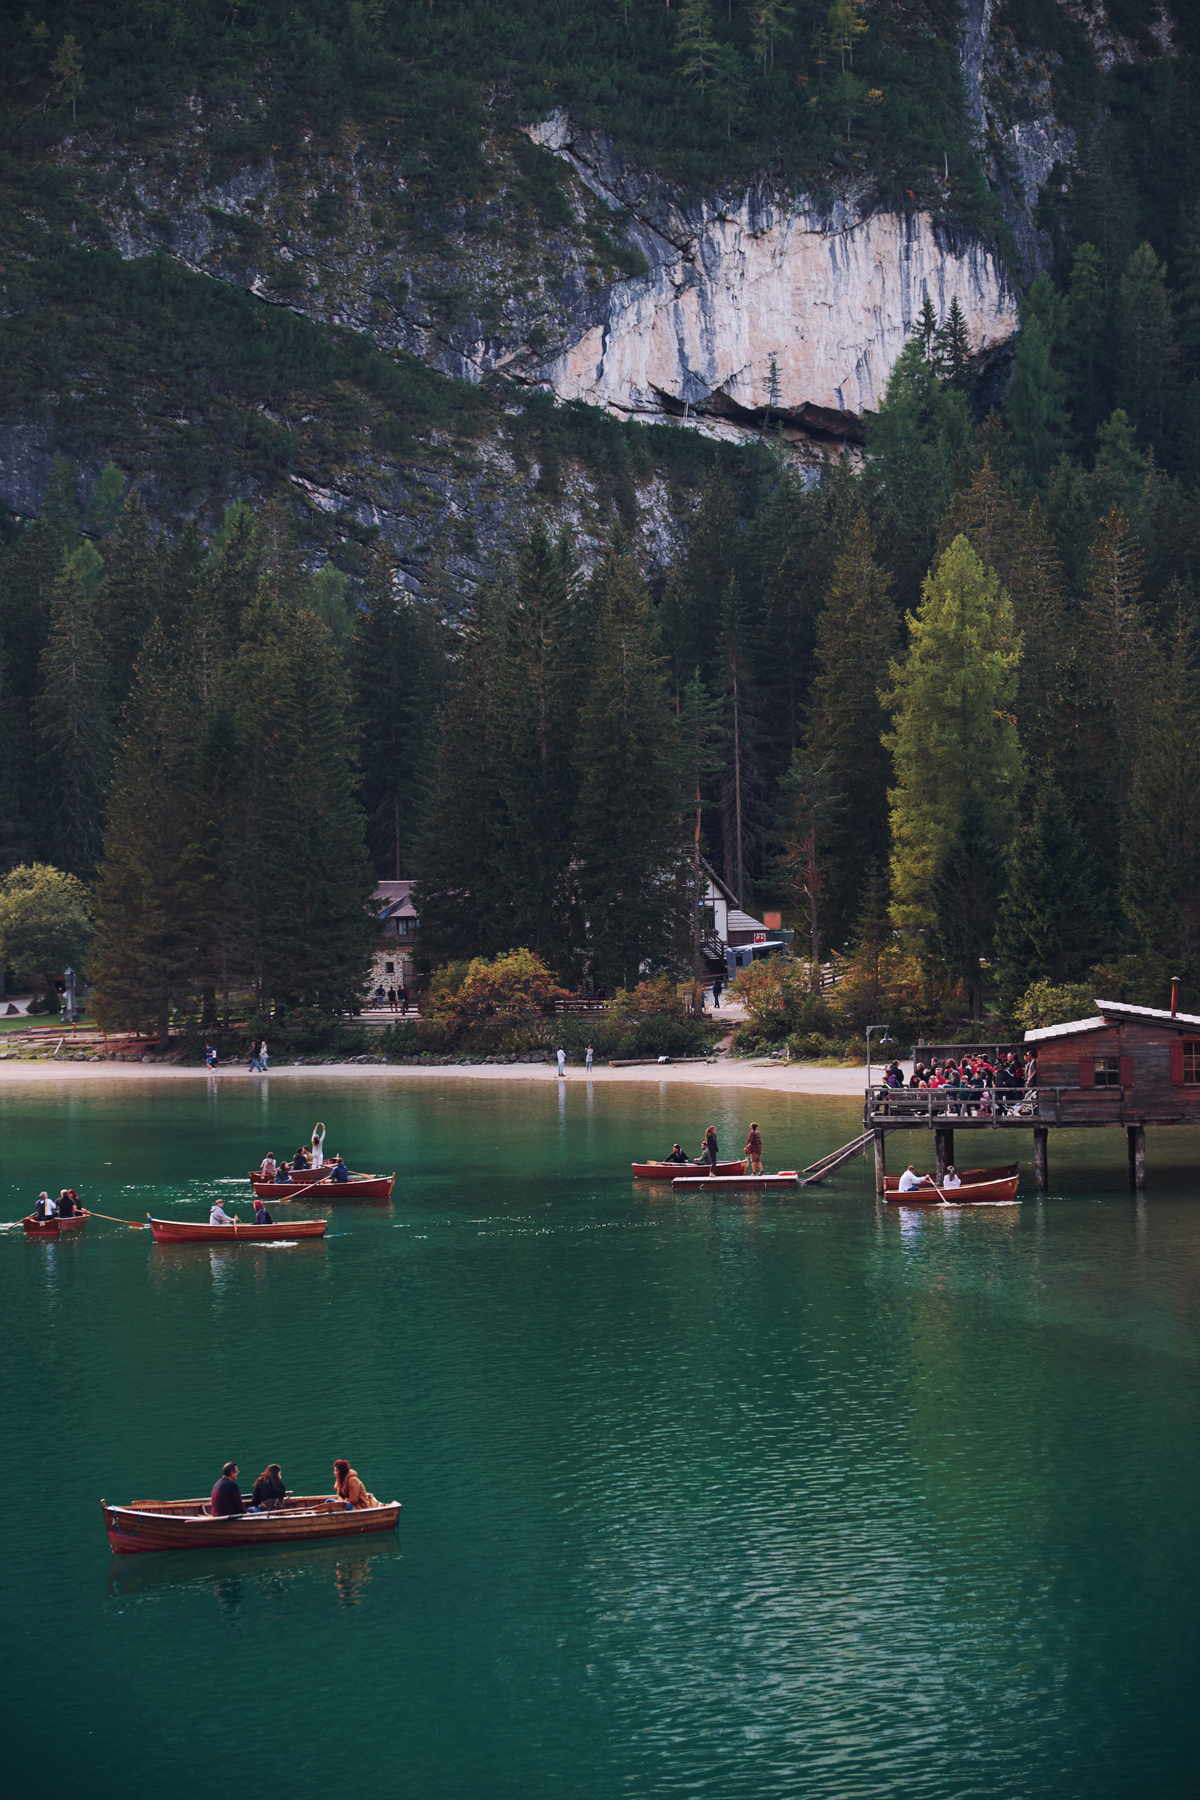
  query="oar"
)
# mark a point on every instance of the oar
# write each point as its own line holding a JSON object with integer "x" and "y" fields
{"x": 937, "y": 1190}
{"x": 113, "y": 1220}
{"x": 286, "y": 1199}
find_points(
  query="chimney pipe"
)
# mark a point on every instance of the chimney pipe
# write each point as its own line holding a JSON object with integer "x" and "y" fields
{"x": 1174, "y": 995}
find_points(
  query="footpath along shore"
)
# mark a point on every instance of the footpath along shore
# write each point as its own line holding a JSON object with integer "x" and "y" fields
{"x": 772, "y": 1077}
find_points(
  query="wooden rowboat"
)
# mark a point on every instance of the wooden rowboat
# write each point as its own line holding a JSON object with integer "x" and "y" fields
{"x": 35, "y": 1227}
{"x": 321, "y": 1189}
{"x": 1000, "y": 1192}
{"x": 181, "y": 1231}
{"x": 669, "y": 1171}
{"x": 786, "y": 1178}
{"x": 187, "y": 1524}
{"x": 968, "y": 1177}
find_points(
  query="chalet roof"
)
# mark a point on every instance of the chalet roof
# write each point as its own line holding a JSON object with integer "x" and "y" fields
{"x": 394, "y": 900}
{"x": 1070, "y": 1029}
{"x": 737, "y": 920}
{"x": 1119, "y": 1009}
{"x": 1112, "y": 1010}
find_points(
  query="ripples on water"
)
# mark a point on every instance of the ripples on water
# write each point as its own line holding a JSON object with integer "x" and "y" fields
{"x": 732, "y": 1498}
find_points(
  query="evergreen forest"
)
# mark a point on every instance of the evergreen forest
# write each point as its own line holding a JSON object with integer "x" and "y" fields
{"x": 935, "y": 700}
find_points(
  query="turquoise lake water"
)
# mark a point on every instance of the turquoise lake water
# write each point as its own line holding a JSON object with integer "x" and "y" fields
{"x": 789, "y": 1496}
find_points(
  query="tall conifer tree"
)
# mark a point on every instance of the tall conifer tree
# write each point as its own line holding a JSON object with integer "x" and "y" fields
{"x": 74, "y": 731}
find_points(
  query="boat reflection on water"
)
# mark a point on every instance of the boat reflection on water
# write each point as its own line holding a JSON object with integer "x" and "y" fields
{"x": 234, "y": 1576}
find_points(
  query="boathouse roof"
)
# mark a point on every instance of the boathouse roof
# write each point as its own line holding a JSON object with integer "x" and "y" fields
{"x": 1111, "y": 1009}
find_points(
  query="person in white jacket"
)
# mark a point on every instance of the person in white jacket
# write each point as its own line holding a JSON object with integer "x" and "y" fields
{"x": 318, "y": 1145}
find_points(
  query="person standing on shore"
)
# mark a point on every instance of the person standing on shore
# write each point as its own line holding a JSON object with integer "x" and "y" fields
{"x": 588, "y": 1059}
{"x": 262, "y": 1055}
{"x": 716, "y": 996}
{"x": 562, "y": 1060}
{"x": 754, "y": 1149}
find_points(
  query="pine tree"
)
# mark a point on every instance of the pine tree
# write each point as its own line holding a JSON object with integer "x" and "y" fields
{"x": 952, "y": 347}
{"x": 1147, "y": 361}
{"x": 1161, "y": 832}
{"x": 631, "y": 839}
{"x": 741, "y": 808}
{"x": 699, "y": 583}
{"x": 1035, "y": 409}
{"x": 808, "y": 802}
{"x": 396, "y": 670}
{"x": 462, "y": 816}
{"x": 1055, "y": 921}
{"x": 699, "y": 733}
{"x": 966, "y": 896}
{"x": 131, "y": 595}
{"x": 770, "y": 20}
{"x": 73, "y": 726}
{"x": 695, "y": 41}
{"x": 302, "y": 862}
{"x": 231, "y": 571}
{"x": 954, "y": 736}
{"x": 1085, "y": 345}
{"x": 1044, "y": 619}
{"x": 1118, "y": 646}
{"x": 858, "y": 635}
{"x": 538, "y": 706}
{"x": 145, "y": 962}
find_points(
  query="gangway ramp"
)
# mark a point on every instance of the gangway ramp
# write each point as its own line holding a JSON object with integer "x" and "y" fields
{"x": 825, "y": 1165}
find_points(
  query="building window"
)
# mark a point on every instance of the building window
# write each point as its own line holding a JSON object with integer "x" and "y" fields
{"x": 389, "y": 968}
{"x": 1191, "y": 1062}
{"x": 1108, "y": 1071}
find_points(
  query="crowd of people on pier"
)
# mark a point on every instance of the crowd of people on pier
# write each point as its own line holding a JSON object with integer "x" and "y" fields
{"x": 974, "y": 1087}
{"x": 270, "y": 1494}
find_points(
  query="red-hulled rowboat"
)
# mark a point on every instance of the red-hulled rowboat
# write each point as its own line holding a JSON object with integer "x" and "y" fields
{"x": 968, "y": 1177}
{"x": 35, "y": 1227}
{"x": 180, "y": 1231}
{"x": 999, "y": 1192}
{"x": 187, "y": 1524}
{"x": 669, "y": 1171}
{"x": 320, "y": 1189}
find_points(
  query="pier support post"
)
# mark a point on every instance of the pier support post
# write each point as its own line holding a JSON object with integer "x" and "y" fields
{"x": 944, "y": 1141}
{"x": 880, "y": 1160}
{"x": 1041, "y": 1166}
{"x": 1136, "y": 1138}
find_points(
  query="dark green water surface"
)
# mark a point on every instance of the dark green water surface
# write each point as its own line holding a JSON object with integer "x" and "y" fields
{"x": 789, "y": 1496}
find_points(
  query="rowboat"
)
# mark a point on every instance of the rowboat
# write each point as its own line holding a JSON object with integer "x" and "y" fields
{"x": 786, "y": 1178}
{"x": 968, "y": 1177}
{"x": 669, "y": 1171}
{"x": 321, "y": 1189}
{"x": 180, "y": 1231}
{"x": 188, "y": 1525}
{"x": 1001, "y": 1191}
{"x": 35, "y": 1227}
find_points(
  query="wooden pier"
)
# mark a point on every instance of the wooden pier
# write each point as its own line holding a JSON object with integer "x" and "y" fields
{"x": 1124, "y": 1069}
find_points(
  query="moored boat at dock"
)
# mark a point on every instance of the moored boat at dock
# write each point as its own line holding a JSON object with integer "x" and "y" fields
{"x": 786, "y": 1178}
{"x": 968, "y": 1177}
{"x": 183, "y": 1231}
{"x": 188, "y": 1525}
{"x": 669, "y": 1171}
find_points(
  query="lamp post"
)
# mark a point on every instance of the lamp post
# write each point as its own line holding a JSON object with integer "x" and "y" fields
{"x": 69, "y": 1013}
{"x": 885, "y": 1039}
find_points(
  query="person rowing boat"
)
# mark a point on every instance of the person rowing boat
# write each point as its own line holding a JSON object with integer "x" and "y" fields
{"x": 218, "y": 1215}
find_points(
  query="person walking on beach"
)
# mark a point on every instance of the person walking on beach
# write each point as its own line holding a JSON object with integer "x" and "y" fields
{"x": 754, "y": 1149}
{"x": 262, "y": 1056}
{"x": 255, "y": 1060}
{"x": 562, "y": 1060}
{"x": 588, "y": 1059}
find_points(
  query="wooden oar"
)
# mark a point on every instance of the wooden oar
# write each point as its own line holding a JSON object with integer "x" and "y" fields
{"x": 113, "y": 1220}
{"x": 286, "y": 1199}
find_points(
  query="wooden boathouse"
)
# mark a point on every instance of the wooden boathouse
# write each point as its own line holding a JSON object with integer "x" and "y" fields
{"x": 1129, "y": 1066}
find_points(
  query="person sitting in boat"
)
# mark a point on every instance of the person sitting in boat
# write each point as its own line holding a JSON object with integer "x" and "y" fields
{"x": 910, "y": 1181}
{"x": 44, "y": 1208}
{"x": 226, "y": 1499}
{"x": 348, "y": 1487}
{"x": 218, "y": 1215}
{"x": 300, "y": 1160}
{"x": 261, "y": 1215}
{"x": 677, "y": 1155}
{"x": 339, "y": 1172}
{"x": 318, "y": 1145}
{"x": 68, "y": 1204}
{"x": 953, "y": 1179}
{"x": 268, "y": 1166}
{"x": 269, "y": 1491}
{"x": 283, "y": 1176}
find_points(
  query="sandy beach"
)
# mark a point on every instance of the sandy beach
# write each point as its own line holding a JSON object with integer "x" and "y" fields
{"x": 775, "y": 1077}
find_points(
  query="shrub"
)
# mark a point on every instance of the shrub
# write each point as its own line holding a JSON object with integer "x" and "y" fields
{"x": 1043, "y": 1004}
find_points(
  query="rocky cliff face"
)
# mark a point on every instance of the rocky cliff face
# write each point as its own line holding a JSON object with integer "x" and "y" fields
{"x": 761, "y": 300}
